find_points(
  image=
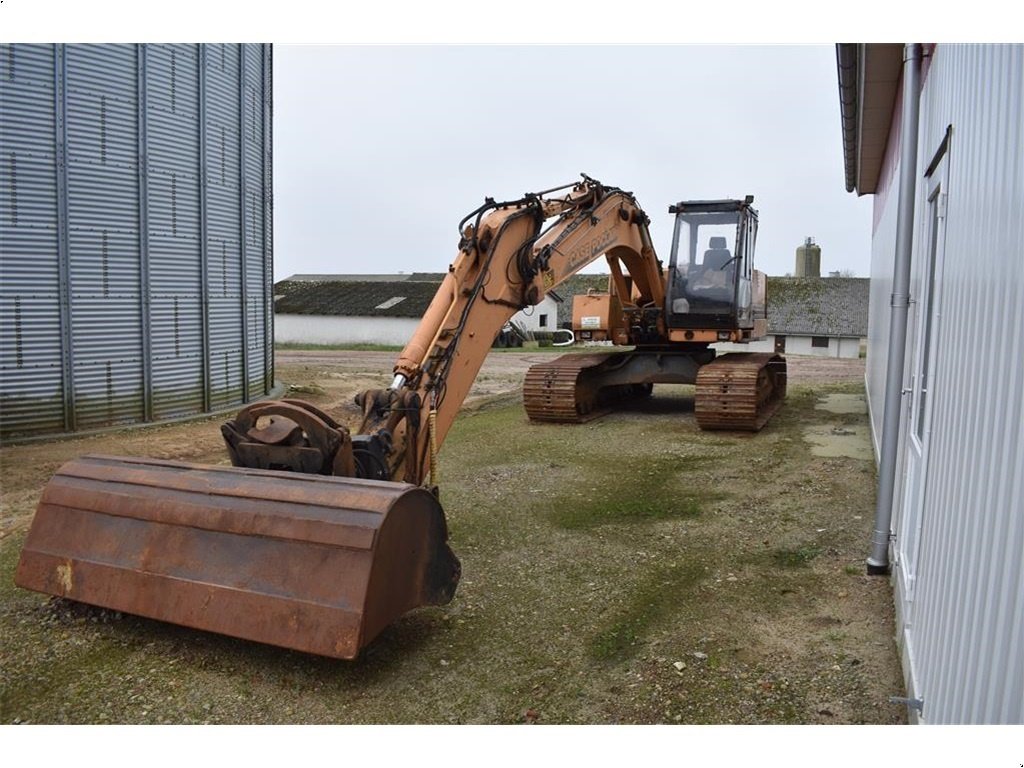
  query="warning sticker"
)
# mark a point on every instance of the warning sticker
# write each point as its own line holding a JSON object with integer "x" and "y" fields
{"x": 590, "y": 321}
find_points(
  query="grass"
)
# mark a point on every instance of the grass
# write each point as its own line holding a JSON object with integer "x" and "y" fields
{"x": 645, "y": 490}
{"x": 594, "y": 556}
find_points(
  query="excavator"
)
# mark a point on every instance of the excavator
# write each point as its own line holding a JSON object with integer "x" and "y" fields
{"x": 318, "y": 537}
{"x": 671, "y": 318}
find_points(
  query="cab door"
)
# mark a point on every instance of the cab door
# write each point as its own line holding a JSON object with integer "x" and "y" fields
{"x": 744, "y": 285}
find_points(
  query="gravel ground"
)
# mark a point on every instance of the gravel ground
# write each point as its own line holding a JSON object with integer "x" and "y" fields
{"x": 629, "y": 570}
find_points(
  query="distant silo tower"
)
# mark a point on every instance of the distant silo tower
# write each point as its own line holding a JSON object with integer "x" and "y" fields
{"x": 135, "y": 233}
{"x": 808, "y": 259}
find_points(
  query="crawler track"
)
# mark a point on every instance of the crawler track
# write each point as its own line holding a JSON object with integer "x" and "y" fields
{"x": 566, "y": 389}
{"x": 740, "y": 391}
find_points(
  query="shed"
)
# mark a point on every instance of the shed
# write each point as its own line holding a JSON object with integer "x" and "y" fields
{"x": 825, "y": 316}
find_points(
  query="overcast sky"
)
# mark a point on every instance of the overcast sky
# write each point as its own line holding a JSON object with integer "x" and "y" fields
{"x": 380, "y": 151}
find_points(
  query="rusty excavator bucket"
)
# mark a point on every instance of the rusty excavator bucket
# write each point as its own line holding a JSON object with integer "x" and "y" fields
{"x": 316, "y": 563}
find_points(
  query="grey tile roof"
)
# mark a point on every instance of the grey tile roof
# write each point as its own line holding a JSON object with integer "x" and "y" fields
{"x": 364, "y": 298}
{"x": 818, "y": 306}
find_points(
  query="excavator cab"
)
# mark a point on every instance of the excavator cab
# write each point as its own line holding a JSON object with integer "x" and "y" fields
{"x": 711, "y": 264}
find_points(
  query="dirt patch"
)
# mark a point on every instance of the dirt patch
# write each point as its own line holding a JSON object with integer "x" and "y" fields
{"x": 629, "y": 570}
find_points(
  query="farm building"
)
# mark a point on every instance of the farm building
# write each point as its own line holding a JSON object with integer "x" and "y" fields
{"x": 135, "y": 233}
{"x": 935, "y": 133}
{"x": 821, "y": 316}
{"x": 369, "y": 309}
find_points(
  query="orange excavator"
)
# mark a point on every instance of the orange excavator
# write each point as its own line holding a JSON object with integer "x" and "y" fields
{"x": 670, "y": 318}
{"x": 318, "y": 536}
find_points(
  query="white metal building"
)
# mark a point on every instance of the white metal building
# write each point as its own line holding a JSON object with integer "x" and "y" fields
{"x": 956, "y": 547}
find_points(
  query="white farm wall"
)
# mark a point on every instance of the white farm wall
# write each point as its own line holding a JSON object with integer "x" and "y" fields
{"x": 847, "y": 347}
{"x": 327, "y": 329}
{"x": 530, "y": 318}
{"x": 962, "y": 621}
{"x": 883, "y": 255}
{"x": 798, "y": 345}
{"x": 801, "y": 345}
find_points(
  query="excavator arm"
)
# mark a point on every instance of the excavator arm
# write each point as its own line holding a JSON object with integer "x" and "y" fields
{"x": 510, "y": 255}
{"x": 322, "y": 557}
{"x": 507, "y": 261}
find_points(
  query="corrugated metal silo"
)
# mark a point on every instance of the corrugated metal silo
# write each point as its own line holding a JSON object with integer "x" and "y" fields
{"x": 135, "y": 240}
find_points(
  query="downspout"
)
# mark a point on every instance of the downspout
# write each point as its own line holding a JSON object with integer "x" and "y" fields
{"x": 878, "y": 562}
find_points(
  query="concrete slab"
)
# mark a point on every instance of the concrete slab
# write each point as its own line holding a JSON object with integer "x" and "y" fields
{"x": 843, "y": 403}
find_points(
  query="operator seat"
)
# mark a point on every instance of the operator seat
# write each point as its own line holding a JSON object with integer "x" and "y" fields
{"x": 717, "y": 255}
{"x": 711, "y": 284}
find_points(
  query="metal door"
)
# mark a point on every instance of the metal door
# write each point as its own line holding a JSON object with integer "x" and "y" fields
{"x": 908, "y": 537}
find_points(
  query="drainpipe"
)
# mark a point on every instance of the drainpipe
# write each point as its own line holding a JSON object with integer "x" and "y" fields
{"x": 878, "y": 562}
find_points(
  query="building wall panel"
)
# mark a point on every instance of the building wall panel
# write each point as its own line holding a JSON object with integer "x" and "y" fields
{"x": 140, "y": 124}
{"x": 973, "y": 530}
{"x": 965, "y": 619}
{"x": 31, "y": 380}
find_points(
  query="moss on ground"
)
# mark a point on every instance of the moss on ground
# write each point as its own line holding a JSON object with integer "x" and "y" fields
{"x": 662, "y": 591}
{"x": 644, "y": 489}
